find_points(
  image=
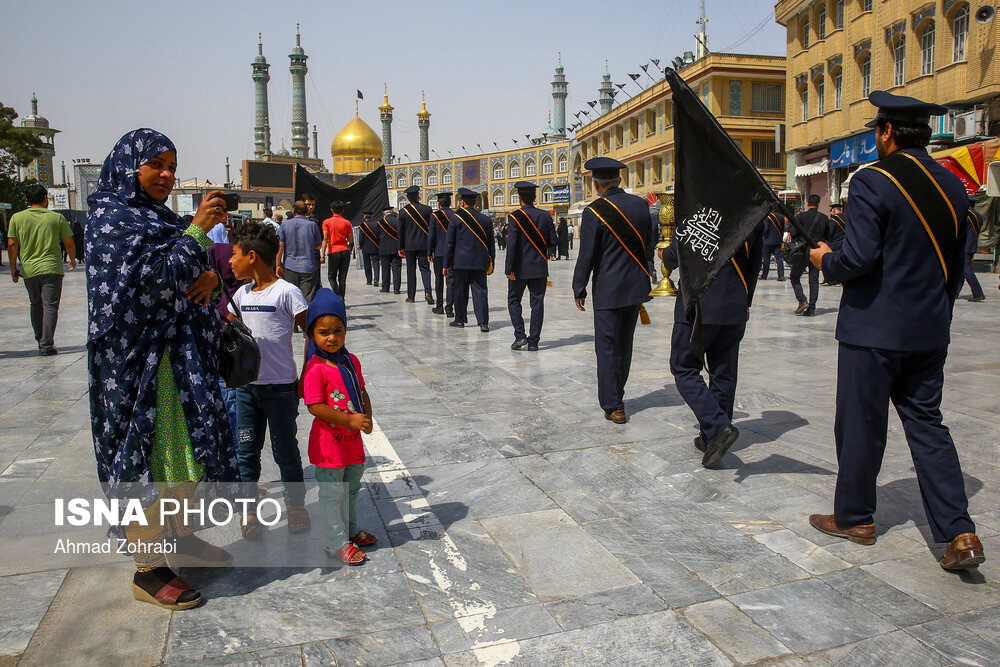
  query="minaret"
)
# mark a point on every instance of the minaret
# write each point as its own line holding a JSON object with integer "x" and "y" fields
{"x": 262, "y": 125}
{"x": 300, "y": 125}
{"x": 385, "y": 113}
{"x": 41, "y": 167}
{"x": 424, "y": 122}
{"x": 559, "y": 91}
{"x": 606, "y": 91}
{"x": 315, "y": 144}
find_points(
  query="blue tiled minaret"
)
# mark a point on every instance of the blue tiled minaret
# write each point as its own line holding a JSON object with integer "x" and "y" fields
{"x": 385, "y": 113}
{"x": 300, "y": 124}
{"x": 262, "y": 124}
{"x": 559, "y": 92}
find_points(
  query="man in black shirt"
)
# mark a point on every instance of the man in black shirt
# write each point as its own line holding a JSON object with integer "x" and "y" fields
{"x": 817, "y": 226}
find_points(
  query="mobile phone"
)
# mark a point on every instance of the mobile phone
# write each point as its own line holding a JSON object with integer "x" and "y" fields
{"x": 232, "y": 200}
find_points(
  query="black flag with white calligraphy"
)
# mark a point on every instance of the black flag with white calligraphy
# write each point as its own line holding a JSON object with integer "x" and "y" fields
{"x": 719, "y": 197}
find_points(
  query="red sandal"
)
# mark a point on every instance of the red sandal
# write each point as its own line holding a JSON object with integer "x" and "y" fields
{"x": 169, "y": 594}
{"x": 348, "y": 553}
{"x": 364, "y": 539}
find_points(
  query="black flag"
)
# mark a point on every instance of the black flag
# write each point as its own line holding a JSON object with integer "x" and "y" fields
{"x": 719, "y": 197}
{"x": 360, "y": 96}
{"x": 368, "y": 194}
{"x": 635, "y": 76}
{"x": 592, "y": 104}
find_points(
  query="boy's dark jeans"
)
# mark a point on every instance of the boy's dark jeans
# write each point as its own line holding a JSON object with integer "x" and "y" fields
{"x": 273, "y": 407}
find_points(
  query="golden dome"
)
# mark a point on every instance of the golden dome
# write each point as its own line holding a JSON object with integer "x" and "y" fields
{"x": 356, "y": 148}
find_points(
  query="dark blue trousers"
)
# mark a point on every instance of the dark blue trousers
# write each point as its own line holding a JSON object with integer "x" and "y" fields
{"x": 444, "y": 286}
{"x": 778, "y": 260}
{"x": 270, "y": 407}
{"x": 614, "y": 329}
{"x": 800, "y": 264}
{"x": 371, "y": 266}
{"x": 867, "y": 379}
{"x": 970, "y": 277}
{"x": 476, "y": 280}
{"x": 415, "y": 258}
{"x": 713, "y": 403}
{"x": 536, "y": 299}
{"x": 392, "y": 263}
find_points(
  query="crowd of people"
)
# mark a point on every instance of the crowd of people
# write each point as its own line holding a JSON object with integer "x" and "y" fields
{"x": 162, "y": 288}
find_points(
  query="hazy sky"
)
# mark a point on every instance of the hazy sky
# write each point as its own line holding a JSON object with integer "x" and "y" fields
{"x": 103, "y": 68}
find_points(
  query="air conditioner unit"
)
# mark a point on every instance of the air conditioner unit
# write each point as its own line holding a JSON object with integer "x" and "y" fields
{"x": 943, "y": 127}
{"x": 967, "y": 124}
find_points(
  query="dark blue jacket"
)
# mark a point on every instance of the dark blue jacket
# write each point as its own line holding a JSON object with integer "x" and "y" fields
{"x": 619, "y": 281}
{"x": 464, "y": 249}
{"x": 523, "y": 260}
{"x": 387, "y": 245}
{"x": 975, "y": 226}
{"x": 367, "y": 229}
{"x": 895, "y": 293}
{"x": 836, "y": 233}
{"x": 772, "y": 234}
{"x": 437, "y": 239}
{"x": 728, "y": 298}
{"x": 411, "y": 235}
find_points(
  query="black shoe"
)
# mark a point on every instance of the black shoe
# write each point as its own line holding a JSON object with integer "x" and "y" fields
{"x": 428, "y": 298}
{"x": 809, "y": 312}
{"x": 484, "y": 327}
{"x": 977, "y": 299}
{"x": 533, "y": 348}
{"x": 396, "y": 292}
{"x": 781, "y": 280}
{"x": 699, "y": 443}
{"x": 437, "y": 311}
{"x": 456, "y": 324}
{"x": 375, "y": 283}
{"x": 802, "y": 307}
{"x": 519, "y": 343}
{"x": 717, "y": 446}
{"x": 450, "y": 312}
{"x": 49, "y": 352}
{"x": 384, "y": 291}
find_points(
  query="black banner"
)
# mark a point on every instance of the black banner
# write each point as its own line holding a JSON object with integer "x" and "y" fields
{"x": 719, "y": 197}
{"x": 368, "y": 194}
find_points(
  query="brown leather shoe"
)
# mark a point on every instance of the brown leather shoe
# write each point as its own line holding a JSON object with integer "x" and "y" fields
{"x": 802, "y": 307}
{"x": 618, "y": 416}
{"x": 825, "y": 523}
{"x": 963, "y": 552}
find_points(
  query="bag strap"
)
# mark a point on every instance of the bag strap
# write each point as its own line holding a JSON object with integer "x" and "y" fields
{"x": 622, "y": 229}
{"x": 927, "y": 199}
{"x": 535, "y": 239}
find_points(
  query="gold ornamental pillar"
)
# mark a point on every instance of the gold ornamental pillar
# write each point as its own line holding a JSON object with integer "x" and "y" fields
{"x": 666, "y": 286}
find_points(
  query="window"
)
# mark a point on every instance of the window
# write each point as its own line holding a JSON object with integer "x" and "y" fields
{"x": 735, "y": 98}
{"x": 498, "y": 171}
{"x": 513, "y": 198}
{"x": 838, "y": 83}
{"x": 633, "y": 129}
{"x": 838, "y": 15}
{"x": 515, "y": 170}
{"x": 959, "y": 30}
{"x": 804, "y": 31}
{"x": 927, "y": 49}
{"x": 762, "y": 154}
{"x": 400, "y": 180}
{"x": 417, "y": 179}
{"x": 657, "y": 169}
{"x": 446, "y": 177}
{"x": 432, "y": 178}
{"x": 821, "y": 22}
{"x": 704, "y": 94}
{"x": 765, "y": 97}
{"x": 866, "y": 75}
{"x": 546, "y": 194}
{"x": 498, "y": 198}
{"x": 866, "y": 5}
{"x": 820, "y": 96}
{"x": 546, "y": 165}
{"x": 666, "y": 167}
{"x": 529, "y": 167}
{"x": 805, "y": 102}
{"x": 388, "y": 181}
{"x": 563, "y": 164}
{"x": 619, "y": 136}
{"x": 899, "y": 60}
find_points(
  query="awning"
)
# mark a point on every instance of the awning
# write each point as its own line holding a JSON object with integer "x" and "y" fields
{"x": 847, "y": 181}
{"x": 577, "y": 208}
{"x": 812, "y": 169}
{"x": 789, "y": 194}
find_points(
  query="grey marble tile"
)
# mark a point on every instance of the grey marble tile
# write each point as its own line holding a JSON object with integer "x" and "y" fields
{"x": 875, "y": 595}
{"x": 809, "y": 616}
{"x": 29, "y": 597}
{"x": 671, "y": 581}
{"x": 956, "y": 642}
{"x": 920, "y": 577}
{"x": 390, "y": 647}
{"x": 732, "y": 631}
{"x": 538, "y": 544}
{"x": 484, "y": 628}
{"x": 895, "y": 648}
{"x": 604, "y": 606}
{"x": 800, "y": 551}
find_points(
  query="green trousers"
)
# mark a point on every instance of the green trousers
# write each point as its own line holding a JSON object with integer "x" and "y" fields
{"x": 338, "y": 502}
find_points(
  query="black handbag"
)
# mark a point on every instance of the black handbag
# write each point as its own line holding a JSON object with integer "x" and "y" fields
{"x": 239, "y": 355}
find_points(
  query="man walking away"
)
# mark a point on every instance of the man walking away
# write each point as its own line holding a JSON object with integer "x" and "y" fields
{"x": 338, "y": 239}
{"x": 34, "y": 237}
{"x": 298, "y": 255}
{"x": 817, "y": 226}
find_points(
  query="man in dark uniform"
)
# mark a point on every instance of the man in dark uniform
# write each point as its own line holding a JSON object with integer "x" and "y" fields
{"x": 368, "y": 243}
{"x": 817, "y": 226}
{"x": 469, "y": 256}
{"x": 838, "y": 227}
{"x": 388, "y": 250}
{"x": 414, "y": 226}
{"x": 774, "y": 227}
{"x": 529, "y": 233}
{"x": 437, "y": 245}
{"x": 975, "y": 222}
{"x": 725, "y": 309}
{"x": 616, "y": 246}
{"x": 901, "y": 266}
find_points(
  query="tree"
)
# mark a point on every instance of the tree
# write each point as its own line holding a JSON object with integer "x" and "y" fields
{"x": 18, "y": 147}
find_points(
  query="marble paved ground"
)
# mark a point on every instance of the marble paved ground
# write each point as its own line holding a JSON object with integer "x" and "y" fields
{"x": 517, "y": 527}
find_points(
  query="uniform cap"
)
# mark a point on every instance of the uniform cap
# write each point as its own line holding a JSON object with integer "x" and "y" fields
{"x": 526, "y": 185}
{"x": 903, "y": 109}
{"x": 366, "y": 212}
{"x": 444, "y": 194}
{"x": 412, "y": 190}
{"x": 604, "y": 167}
{"x": 466, "y": 192}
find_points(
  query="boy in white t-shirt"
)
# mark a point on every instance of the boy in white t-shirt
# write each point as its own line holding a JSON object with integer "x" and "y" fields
{"x": 270, "y": 307}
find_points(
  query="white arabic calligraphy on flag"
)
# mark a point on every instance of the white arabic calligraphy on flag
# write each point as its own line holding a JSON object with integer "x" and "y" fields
{"x": 700, "y": 232}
